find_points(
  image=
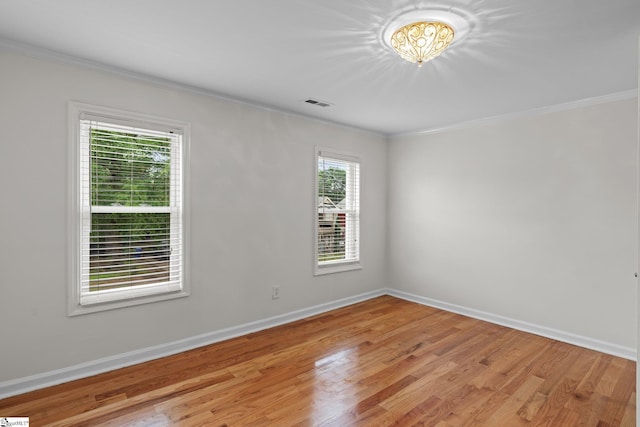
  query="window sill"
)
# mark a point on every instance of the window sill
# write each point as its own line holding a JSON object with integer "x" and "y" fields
{"x": 77, "y": 309}
{"x": 336, "y": 268}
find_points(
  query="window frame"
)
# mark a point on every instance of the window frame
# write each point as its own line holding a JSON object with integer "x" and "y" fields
{"x": 340, "y": 265}
{"x": 77, "y": 196}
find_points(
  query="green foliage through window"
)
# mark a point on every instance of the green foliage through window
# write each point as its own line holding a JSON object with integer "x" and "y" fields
{"x": 129, "y": 171}
{"x": 332, "y": 183}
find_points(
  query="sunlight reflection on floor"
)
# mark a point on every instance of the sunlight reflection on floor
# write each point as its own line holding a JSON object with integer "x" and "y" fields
{"x": 332, "y": 377}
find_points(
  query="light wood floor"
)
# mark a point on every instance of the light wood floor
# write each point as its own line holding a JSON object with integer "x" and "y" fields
{"x": 378, "y": 363}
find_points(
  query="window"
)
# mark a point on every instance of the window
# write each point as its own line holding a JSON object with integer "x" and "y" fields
{"x": 128, "y": 223}
{"x": 337, "y": 225}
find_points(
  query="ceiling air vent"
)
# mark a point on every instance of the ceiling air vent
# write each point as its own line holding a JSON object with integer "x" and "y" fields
{"x": 317, "y": 102}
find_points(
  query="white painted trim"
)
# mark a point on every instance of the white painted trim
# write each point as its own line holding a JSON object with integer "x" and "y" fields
{"x": 76, "y": 111}
{"x": 83, "y": 370}
{"x": 337, "y": 267}
{"x": 50, "y": 55}
{"x": 66, "y": 59}
{"x": 638, "y": 240}
{"x": 588, "y": 102}
{"x": 555, "y": 334}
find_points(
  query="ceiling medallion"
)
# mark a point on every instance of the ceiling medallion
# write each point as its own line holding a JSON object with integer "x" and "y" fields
{"x": 419, "y": 36}
{"x": 422, "y": 41}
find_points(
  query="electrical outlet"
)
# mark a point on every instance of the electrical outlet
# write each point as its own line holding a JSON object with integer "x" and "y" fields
{"x": 275, "y": 292}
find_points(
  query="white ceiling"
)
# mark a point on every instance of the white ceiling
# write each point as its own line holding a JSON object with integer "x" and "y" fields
{"x": 516, "y": 55}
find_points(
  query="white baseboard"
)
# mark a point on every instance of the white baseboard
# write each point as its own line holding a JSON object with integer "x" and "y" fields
{"x": 579, "y": 340}
{"x": 83, "y": 370}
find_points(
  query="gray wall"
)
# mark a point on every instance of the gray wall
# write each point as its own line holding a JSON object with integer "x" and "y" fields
{"x": 533, "y": 219}
{"x": 252, "y": 198}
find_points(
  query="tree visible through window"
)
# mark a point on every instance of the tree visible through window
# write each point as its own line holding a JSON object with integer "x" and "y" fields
{"x": 130, "y": 200}
{"x": 130, "y": 246}
{"x": 338, "y": 211}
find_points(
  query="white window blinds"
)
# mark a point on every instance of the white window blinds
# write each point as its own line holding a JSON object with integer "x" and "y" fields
{"x": 131, "y": 204}
{"x": 338, "y": 210}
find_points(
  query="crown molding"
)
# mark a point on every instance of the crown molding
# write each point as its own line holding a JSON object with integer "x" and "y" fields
{"x": 41, "y": 53}
{"x": 587, "y": 102}
{"x": 54, "y": 56}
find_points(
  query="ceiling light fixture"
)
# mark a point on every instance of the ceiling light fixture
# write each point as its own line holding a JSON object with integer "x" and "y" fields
{"x": 422, "y": 41}
{"x": 419, "y": 35}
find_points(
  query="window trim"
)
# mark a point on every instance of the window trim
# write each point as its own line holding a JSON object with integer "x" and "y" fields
{"x": 338, "y": 266}
{"x": 135, "y": 297}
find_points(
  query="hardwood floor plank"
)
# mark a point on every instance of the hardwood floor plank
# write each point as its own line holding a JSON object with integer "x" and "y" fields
{"x": 468, "y": 406}
{"x": 532, "y": 406}
{"x": 625, "y": 386}
{"x": 508, "y": 412}
{"x": 565, "y": 417}
{"x": 381, "y": 362}
{"x": 556, "y": 402}
{"x": 375, "y": 399}
{"x": 629, "y": 417}
{"x": 481, "y": 417}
